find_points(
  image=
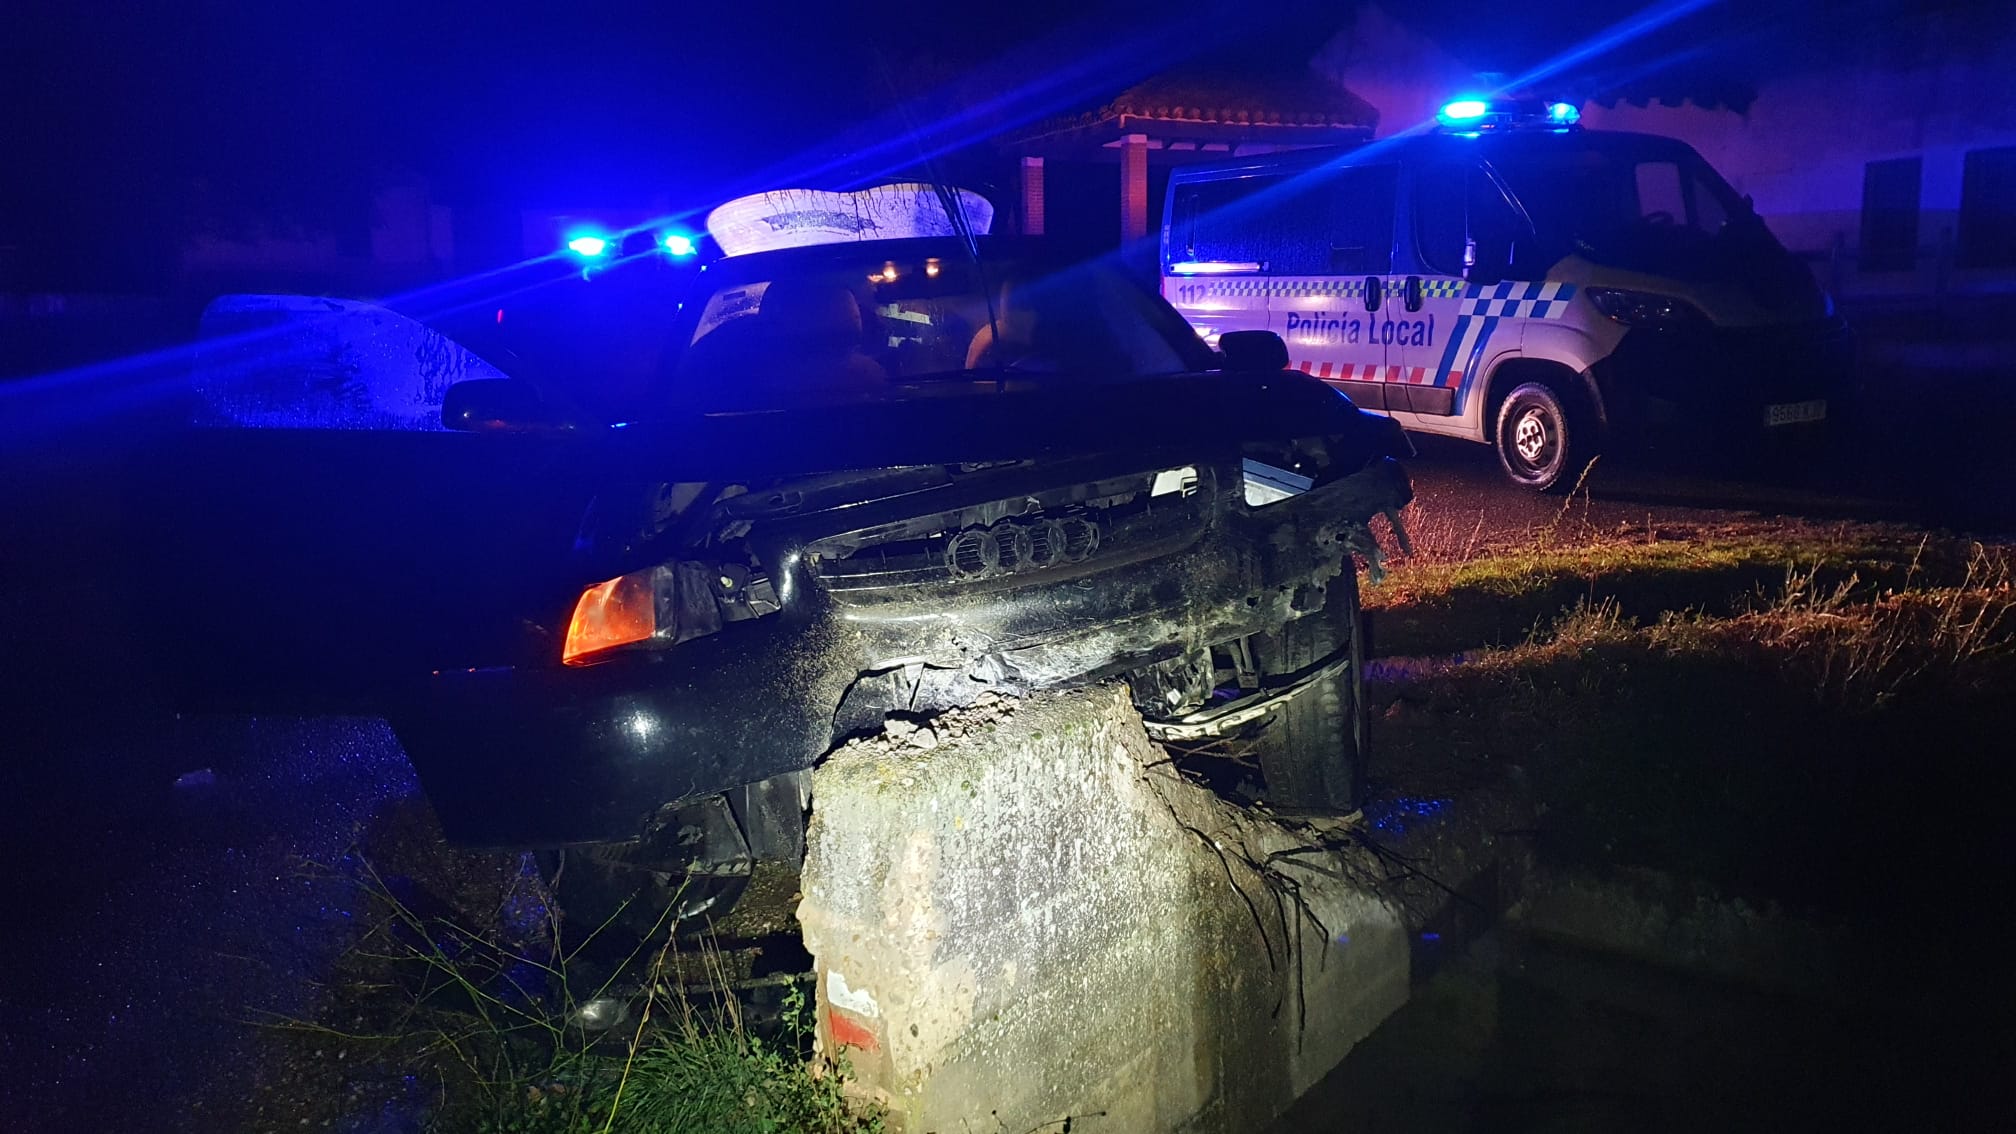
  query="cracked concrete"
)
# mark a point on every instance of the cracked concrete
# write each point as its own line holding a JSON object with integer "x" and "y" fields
{"x": 1039, "y": 919}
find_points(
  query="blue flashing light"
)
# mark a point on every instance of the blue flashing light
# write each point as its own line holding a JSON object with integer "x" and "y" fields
{"x": 679, "y": 244}
{"x": 1563, "y": 113}
{"x": 1464, "y": 110}
{"x": 590, "y": 246}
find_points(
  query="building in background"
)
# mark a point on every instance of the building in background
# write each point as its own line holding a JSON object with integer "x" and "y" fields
{"x": 1877, "y": 137}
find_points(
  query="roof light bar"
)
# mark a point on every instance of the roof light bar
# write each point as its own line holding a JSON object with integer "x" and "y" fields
{"x": 1471, "y": 115}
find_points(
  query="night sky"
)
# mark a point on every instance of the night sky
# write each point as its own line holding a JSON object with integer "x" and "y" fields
{"x": 131, "y": 123}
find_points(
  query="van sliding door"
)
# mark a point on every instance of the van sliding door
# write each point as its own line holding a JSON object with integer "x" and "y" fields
{"x": 1333, "y": 255}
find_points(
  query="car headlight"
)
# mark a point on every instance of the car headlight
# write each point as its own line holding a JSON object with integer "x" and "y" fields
{"x": 663, "y": 606}
{"x": 1645, "y": 308}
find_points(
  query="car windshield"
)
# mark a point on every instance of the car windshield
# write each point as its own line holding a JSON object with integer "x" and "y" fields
{"x": 1600, "y": 199}
{"x": 790, "y": 328}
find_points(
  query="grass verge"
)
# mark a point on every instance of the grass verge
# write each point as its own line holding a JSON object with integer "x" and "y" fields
{"x": 1451, "y": 595}
{"x": 1791, "y": 750}
{"x": 458, "y": 1015}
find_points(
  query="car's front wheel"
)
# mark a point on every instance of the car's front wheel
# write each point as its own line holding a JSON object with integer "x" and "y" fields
{"x": 1540, "y": 444}
{"x": 1312, "y": 750}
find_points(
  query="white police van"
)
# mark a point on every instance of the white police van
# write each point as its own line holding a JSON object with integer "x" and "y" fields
{"x": 1513, "y": 279}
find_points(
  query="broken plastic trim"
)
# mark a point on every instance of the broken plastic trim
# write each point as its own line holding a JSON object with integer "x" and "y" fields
{"x": 1238, "y": 713}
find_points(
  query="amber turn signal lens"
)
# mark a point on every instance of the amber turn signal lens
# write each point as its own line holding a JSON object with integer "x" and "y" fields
{"x": 619, "y": 612}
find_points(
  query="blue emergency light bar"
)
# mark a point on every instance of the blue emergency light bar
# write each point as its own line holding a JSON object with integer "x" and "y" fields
{"x": 1464, "y": 111}
{"x": 1472, "y": 115}
{"x": 588, "y": 246}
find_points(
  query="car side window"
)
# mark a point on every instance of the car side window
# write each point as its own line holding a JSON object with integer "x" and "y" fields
{"x": 1222, "y": 221}
{"x": 1455, "y": 205}
{"x": 1659, "y": 192}
{"x": 1336, "y": 223}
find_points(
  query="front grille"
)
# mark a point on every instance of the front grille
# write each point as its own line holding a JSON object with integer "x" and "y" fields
{"x": 1032, "y": 547}
{"x": 1015, "y": 546}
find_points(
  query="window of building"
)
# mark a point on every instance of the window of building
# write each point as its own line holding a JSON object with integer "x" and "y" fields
{"x": 1890, "y": 214}
{"x": 1987, "y": 233}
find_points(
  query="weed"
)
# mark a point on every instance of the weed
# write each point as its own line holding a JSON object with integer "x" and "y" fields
{"x": 1864, "y": 645}
{"x": 489, "y": 1018}
{"x": 1588, "y": 625}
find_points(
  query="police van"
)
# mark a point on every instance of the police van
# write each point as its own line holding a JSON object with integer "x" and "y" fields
{"x": 1513, "y": 279}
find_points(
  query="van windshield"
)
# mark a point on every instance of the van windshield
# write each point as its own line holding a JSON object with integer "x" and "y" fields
{"x": 1615, "y": 202}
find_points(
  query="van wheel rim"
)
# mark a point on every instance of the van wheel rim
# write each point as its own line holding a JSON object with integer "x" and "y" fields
{"x": 1531, "y": 437}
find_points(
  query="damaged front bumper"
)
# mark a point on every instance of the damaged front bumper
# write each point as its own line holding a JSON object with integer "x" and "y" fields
{"x": 553, "y": 756}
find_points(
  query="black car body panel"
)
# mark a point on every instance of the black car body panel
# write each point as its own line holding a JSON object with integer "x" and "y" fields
{"x": 430, "y": 577}
{"x": 541, "y": 755}
{"x": 1722, "y": 378}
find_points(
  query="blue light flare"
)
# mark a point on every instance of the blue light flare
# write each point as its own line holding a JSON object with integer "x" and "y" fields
{"x": 590, "y": 246}
{"x": 1563, "y": 114}
{"x": 679, "y": 244}
{"x": 1464, "y": 110}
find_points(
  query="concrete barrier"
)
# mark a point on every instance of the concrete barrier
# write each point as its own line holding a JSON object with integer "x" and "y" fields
{"x": 1020, "y": 915}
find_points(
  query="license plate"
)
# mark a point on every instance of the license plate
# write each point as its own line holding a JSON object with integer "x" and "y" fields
{"x": 1793, "y": 413}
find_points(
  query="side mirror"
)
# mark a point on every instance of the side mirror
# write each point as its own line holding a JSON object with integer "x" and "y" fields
{"x": 506, "y": 405}
{"x": 1253, "y": 351}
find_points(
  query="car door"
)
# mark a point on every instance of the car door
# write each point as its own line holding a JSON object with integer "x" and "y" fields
{"x": 1329, "y": 277}
{"x": 1455, "y": 312}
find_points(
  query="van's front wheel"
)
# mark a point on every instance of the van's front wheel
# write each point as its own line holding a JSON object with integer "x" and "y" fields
{"x": 1540, "y": 444}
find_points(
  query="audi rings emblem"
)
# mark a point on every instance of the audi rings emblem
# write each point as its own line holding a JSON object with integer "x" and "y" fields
{"x": 1012, "y": 546}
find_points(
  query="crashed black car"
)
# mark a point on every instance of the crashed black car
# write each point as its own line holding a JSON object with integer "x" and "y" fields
{"x": 882, "y": 479}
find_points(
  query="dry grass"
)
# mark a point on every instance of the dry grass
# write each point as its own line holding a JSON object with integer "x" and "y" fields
{"x": 1445, "y": 561}
{"x": 1854, "y": 643}
{"x": 483, "y": 1016}
{"x": 1859, "y": 647}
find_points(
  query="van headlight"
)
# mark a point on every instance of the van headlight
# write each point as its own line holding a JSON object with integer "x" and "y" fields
{"x": 1645, "y": 308}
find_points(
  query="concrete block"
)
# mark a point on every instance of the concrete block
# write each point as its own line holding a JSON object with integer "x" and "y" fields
{"x": 1032, "y": 918}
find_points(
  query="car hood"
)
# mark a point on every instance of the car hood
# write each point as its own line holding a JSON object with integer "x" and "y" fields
{"x": 963, "y": 421}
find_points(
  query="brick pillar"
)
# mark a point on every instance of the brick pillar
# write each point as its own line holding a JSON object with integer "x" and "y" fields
{"x": 1032, "y": 196}
{"x": 1133, "y": 188}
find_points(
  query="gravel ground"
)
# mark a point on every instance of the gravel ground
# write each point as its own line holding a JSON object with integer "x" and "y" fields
{"x": 161, "y": 924}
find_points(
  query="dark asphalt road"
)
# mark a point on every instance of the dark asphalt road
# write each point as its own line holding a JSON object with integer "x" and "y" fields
{"x": 151, "y": 921}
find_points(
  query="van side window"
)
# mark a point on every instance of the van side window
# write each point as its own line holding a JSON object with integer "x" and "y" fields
{"x": 1219, "y": 221}
{"x": 1456, "y": 204}
{"x": 1659, "y": 192}
{"x": 1337, "y": 223}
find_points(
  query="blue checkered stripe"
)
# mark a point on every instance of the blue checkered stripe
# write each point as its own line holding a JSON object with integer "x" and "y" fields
{"x": 1541, "y": 300}
{"x": 1289, "y": 288}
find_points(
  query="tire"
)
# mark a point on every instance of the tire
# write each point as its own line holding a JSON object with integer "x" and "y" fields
{"x": 1312, "y": 750}
{"x": 1540, "y": 445}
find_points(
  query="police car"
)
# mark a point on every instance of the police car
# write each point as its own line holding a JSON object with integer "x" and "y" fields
{"x": 1513, "y": 279}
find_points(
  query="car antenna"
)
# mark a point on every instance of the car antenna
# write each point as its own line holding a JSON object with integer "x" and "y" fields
{"x": 949, "y": 200}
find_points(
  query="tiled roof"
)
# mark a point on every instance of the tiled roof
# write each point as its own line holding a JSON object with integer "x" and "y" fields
{"x": 1228, "y": 99}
